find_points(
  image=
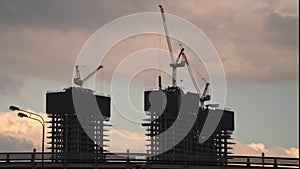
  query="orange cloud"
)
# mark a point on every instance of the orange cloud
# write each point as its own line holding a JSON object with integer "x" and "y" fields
{"x": 121, "y": 140}
{"x": 256, "y": 149}
{"x": 27, "y": 130}
{"x": 22, "y": 129}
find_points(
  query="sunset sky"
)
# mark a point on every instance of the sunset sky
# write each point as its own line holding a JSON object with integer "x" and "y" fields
{"x": 257, "y": 42}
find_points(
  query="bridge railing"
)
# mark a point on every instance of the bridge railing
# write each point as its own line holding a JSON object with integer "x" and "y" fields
{"x": 263, "y": 161}
{"x": 142, "y": 158}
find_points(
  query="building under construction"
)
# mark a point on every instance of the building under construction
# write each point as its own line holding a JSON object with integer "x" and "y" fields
{"x": 182, "y": 131}
{"x": 179, "y": 119}
{"x": 76, "y": 125}
{"x": 179, "y": 107}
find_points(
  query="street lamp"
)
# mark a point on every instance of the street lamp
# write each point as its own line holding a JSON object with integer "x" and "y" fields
{"x": 31, "y": 115}
{"x": 21, "y": 115}
{"x": 14, "y": 108}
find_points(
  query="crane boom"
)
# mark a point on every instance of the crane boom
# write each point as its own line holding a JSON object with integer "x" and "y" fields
{"x": 78, "y": 81}
{"x": 204, "y": 97}
{"x": 190, "y": 71}
{"x": 167, "y": 33}
{"x": 92, "y": 73}
{"x": 174, "y": 65}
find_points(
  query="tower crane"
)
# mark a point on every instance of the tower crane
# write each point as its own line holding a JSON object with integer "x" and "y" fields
{"x": 189, "y": 69}
{"x": 205, "y": 96}
{"x": 78, "y": 81}
{"x": 174, "y": 64}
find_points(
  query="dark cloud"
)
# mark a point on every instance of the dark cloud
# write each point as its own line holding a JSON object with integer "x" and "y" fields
{"x": 258, "y": 43}
{"x": 37, "y": 54}
{"x": 9, "y": 144}
{"x": 282, "y": 30}
{"x": 66, "y": 14}
{"x": 41, "y": 40}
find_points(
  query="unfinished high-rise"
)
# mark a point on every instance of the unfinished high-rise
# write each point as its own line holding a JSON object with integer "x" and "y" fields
{"x": 77, "y": 127}
{"x": 164, "y": 107}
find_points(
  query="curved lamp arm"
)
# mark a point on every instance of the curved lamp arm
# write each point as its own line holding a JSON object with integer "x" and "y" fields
{"x": 15, "y": 108}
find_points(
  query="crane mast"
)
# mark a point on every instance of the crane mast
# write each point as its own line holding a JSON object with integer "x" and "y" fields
{"x": 204, "y": 97}
{"x": 77, "y": 72}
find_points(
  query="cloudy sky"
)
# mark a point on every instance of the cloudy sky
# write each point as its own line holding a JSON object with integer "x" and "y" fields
{"x": 257, "y": 42}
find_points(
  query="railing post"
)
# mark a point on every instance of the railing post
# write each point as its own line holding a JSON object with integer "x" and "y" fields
{"x": 127, "y": 160}
{"x": 147, "y": 163}
{"x": 7, "y": 158}
{"x": 33, "y": 158}
{"x": 263, "y": 159}
{"x": 248, "y": 161}
{"x": 275, "y": 162}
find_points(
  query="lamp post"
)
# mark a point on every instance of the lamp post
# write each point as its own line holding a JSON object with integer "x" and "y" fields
{"x": 31, "y": 115}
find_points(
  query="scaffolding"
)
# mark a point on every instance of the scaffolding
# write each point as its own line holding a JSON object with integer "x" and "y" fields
{"x": 163, "y": 108}
{"x": 80, "y": 131}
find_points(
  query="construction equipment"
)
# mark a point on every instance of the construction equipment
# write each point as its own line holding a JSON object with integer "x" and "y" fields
{"x": 189, "y": 69}
{"x": 204, "y": 97}
{"x": 174, "y": 64}
{"x": 78, "y": 81}
{"x": 181, "y": 63}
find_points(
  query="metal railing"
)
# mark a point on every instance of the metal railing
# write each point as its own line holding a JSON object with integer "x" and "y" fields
{"x": 141, "y": 158}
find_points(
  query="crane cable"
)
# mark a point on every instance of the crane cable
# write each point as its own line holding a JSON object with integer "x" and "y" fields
{"x": 191, "y": 74}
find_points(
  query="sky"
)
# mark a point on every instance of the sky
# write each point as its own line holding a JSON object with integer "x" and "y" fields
{"x": 257, "y": 42}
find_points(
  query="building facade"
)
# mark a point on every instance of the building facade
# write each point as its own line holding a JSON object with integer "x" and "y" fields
{"x": 79, "y": 119}
{"x": 170, "y": 115}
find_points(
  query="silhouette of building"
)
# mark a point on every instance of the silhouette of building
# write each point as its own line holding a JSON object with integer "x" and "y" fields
{"x": 76, "y": 125}
{"x": 164, "y": 107}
